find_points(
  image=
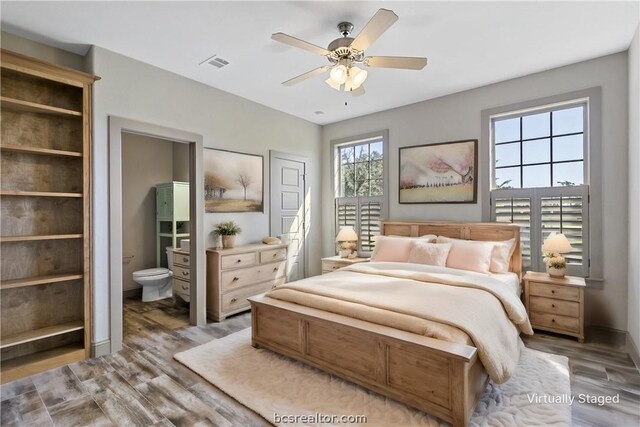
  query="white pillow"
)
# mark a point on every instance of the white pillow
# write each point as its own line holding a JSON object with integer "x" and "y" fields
{"x": 500, "y": 255}
{"x": 395, "y": 248}
{"x": 468, "y": 254}
{"x": 429, "y": 253}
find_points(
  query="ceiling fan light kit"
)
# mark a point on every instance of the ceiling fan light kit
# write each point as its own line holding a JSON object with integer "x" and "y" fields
{"x": 346, "y": 52}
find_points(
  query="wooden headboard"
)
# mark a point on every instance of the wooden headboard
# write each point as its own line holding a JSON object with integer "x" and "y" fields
{"x": 461, "y": 230}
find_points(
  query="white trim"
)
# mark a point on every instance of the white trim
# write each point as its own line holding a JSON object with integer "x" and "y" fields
{"x": 101, "y": 348}
{"x": 117, "y": 126}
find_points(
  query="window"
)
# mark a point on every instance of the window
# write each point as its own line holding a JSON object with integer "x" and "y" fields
{"x": 360, "y": 182}
{"x": 540, "y": 178}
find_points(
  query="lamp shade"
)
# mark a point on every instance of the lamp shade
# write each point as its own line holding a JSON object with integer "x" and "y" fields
{"x": 346, "y": 234}
{"x": 556, "y": 243}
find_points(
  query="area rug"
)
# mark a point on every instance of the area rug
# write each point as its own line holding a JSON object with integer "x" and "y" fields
{"x": 279, "y": 389}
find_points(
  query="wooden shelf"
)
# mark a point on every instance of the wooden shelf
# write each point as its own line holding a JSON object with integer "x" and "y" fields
{"x": 42, "y": 333}
{"x": 40, "y": 151}
{"x": 33, "y": 107}
{"x": 37, "y": 193}
{"x": 5, "y": 239}
{"x": 39, "y": 280}
{"x": 31, "y": 364}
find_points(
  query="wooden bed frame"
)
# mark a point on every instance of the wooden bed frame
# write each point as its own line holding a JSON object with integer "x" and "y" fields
{"x": 441, "y": 378}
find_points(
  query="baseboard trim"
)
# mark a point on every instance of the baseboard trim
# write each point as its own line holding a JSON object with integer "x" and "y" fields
{"x": 101, "y": 348}
{"x": 132, "y": 293}
{"x": 633, "y": 351}
{"x": 607, "y": 335}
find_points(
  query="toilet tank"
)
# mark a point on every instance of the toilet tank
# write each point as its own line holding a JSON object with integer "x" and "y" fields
{"x": 170, "y": 257}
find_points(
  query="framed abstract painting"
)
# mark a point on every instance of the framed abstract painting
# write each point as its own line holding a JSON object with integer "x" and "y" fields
{"x": 233, "y": 182}
{"x": 439, "y": 173}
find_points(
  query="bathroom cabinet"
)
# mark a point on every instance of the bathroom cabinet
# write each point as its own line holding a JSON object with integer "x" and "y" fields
{"x": 182, "y": 274}
{"x": 172, "y": 217}
{"x": 45, "y": 202}
{"x": 233, "y": 275}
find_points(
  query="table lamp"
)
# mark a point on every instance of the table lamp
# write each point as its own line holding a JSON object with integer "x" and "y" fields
{"x": 555, "y": 245}
{"x": 347, "y": 240}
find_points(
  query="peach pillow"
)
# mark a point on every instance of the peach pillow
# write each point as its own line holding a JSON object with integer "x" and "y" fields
{"x": 395, "y": 248}
{"x": 500, "y": 256}
{"x": 429, "y": 253}
{"x": 468, "y": 254}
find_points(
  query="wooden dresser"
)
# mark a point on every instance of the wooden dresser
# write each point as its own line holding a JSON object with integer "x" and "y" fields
{"x": 181, "y": 273}
{"x": 555, "y": 305}
{"x": 233, "y": 275}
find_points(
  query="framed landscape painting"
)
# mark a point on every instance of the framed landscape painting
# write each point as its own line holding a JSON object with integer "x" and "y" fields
{"x": 439, "y": 173}
{"x": 232, "y": 181}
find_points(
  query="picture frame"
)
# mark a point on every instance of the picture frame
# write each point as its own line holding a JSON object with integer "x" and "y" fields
{"x": 445, "y": 172}
{"x": 233, "y": 181}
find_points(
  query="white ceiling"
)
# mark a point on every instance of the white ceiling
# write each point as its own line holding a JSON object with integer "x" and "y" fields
{"x": 468, "y": 44}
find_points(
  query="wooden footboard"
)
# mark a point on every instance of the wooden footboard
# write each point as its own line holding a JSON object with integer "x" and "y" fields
{"x": 441, "y": 378}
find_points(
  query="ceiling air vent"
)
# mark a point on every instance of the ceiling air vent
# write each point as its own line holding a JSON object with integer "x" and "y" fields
{"x": 215, "y": 61}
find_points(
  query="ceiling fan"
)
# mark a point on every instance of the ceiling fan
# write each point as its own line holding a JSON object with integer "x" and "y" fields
{"x": 345, "y": 53}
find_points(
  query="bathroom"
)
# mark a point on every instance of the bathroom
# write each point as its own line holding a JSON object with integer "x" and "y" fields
{"x": 150, "y": 167}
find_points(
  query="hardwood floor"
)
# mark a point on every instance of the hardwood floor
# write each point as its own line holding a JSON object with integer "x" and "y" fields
{"x": 142, "y": 385}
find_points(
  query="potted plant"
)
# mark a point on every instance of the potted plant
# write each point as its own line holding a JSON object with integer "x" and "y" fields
{"x": 228, "y": 230}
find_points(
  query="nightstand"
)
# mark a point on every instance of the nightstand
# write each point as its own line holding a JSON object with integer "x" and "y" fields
{"x": 333, "y": 263}
{"x": 555, "y": 305}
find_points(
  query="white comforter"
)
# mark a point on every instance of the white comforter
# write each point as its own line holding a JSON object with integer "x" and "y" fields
{"x": 440, "y": 302}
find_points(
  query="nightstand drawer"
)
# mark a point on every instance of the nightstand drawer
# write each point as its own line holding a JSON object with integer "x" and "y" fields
{"x": 238, "y": 260}
{"x": 329, "y": 266}
{"x": 554, "y": 321}
{"x": 273, "y": 255}
{"x": 554, "y": 291}
{"x": 555, "y": 306}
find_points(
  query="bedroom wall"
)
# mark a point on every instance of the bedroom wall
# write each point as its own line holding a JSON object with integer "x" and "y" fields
{"x": 138, "y": 91}
{"x": 457, "y": 117}
{"x": 41, "y": 51}
{"x": 634, "y": 192}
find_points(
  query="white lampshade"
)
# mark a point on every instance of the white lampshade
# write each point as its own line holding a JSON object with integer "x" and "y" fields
{"x": 346, "y": 234}
{"x": 333, "y": 84}
{"x": 556, "y": 243}
{"x": 357, "y": 77}
{"x": 339, "y": 74}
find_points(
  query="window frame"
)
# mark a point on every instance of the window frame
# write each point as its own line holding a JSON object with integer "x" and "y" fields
{"x": 355, "y": 140}
{"x": 592, "y": 165}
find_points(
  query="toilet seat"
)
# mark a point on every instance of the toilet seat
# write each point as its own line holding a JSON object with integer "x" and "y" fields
{"x": 150, "y": 272}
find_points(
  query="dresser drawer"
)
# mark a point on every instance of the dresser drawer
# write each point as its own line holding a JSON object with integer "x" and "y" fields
{"x": 237, "y": 260}
{"x": 554, "y": 306}
{"x": 554, "y": 321}
{"x": 554, "y": 291}
{"x": 329, "y": 266}
{"x": 246, "y": 276}
{"x": 237, "y": 299}
{"x": 182, "y": 273}
{"x": 181, "y": 259}
{"x": 272, "y": 255}
{"x": 182, "y": 289}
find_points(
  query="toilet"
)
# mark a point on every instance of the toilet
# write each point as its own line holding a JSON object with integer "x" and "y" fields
{"x": 156, "y": 282}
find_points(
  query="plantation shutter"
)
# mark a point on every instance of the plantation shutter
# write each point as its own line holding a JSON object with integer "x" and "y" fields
{"x": 541, "y": 211}
{"x": 364, "y": 214}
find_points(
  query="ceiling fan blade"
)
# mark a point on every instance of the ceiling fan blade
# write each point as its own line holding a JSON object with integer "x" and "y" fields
{"x": 380, "y": 22}
{"x": 307, "y": 75}
{"x": 403, "y": 62}
{"x": 358, "y": 92}
{"x": 292, "y": 41}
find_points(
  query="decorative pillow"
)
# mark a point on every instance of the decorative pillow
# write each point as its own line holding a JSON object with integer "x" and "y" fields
{"x": 500, "y": 255}
{"x": 429, "y": 253}
{"x": 432, "y": 237}
{"x": 391, "y": 249}
{"x": 468, "y": 254}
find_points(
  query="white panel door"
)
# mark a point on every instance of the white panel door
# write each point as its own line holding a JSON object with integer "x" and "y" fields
{"x": 288, "y": 208}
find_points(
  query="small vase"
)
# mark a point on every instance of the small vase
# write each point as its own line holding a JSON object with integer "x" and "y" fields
{"x": 556, "y": 272}
{"x": 228, "y": 242}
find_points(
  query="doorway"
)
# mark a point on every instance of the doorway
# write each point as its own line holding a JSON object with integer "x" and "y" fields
{"x": 117, "y": 128}
{"x": 289, "y": 205}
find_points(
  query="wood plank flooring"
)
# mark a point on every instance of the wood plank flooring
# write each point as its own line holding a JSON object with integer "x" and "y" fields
{"x": 142, "y": 385}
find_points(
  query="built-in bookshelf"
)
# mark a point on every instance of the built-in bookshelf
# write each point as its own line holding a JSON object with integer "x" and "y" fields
{"x": 45, "y": 211}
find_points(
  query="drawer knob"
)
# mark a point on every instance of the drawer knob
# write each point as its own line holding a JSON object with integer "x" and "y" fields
{"x": 275, "y": 268}
{"x": 235, "y": 279}
{"x": 239, "y": 260}
{"x": 553, "y": 320}
{"x": 275, "y": 255}
{"x": 185, "y": 259}
{"x": 553, "y": 292}
{"x": 234, "y": 300}
{"x": 185, "y": 273}
{"x": 185, "y": 288}
{"x": 274, "y": 286}
{"x": 334, "y": 267}
{"x": 553, "y": 306}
